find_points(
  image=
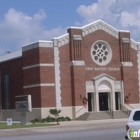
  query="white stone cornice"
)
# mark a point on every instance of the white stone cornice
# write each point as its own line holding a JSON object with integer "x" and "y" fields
{"x": 126, "y": 64}
{"x": 62, "y": 40}
{"x": 100, "y": 25}
{"x": 125, "y": 40}
{"x": 39, "y": 85}
{"x": 103, "y": 75}
{"x": 77, "y": 37}
{"x": 37, "y": 44}
{"x": 38, "y": 65}
{"x": 77, "y": 63}
{"x": 134, "y": 44}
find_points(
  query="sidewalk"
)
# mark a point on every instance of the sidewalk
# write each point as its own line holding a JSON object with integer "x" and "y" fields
{"x": 77, "y": 122}
{"x": 67, "y": 126}
{"x": 74, "y": 124}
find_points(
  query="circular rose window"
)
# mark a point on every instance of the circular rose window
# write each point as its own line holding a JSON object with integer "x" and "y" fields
{"x": 101, "y": 53}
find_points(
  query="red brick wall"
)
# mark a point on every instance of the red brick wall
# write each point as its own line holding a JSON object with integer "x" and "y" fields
{"x": 46, "y": 55}
{"x": 41, "y": 96}
{"x": 89, "y": 40}
{"x": 77, "y": 72}
{"x": 30, "y": 57}
{"x": 47, "y": 74}
{"x": 31, "y": 76}
{"x": 79, "y": 87}
{"x": 14, "y": 69}
{"x": 48, "y": 96}
{"x": 65, "y": 75}
{"x": 35, "y": 96}
{"x": 130, "y": 78}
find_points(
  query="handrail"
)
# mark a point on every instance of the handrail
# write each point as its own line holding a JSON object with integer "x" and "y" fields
{"x": 130, "y": 106}
{"x": 125, "y": 110}
{"x": 110, "y": 112}
{"x": 79, "y": 109}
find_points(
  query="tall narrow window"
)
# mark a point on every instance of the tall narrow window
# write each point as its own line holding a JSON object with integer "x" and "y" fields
{"x": 6, "y": 92}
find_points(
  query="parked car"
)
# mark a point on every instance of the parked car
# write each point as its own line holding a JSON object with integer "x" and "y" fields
{"x": 133, "y": 125}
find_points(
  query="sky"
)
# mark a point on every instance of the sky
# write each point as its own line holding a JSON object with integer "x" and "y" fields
{"x": 25, "y": 21}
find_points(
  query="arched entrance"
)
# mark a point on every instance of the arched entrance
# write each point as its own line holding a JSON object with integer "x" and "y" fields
{"x": 104, "y": 93}
{"x": 104, "y": 90}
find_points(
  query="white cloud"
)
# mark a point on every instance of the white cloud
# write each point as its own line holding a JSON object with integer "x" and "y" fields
{"x": 19, "y": 29}
{"x": 95, "y": 11}
{"x": 122, "y": 14}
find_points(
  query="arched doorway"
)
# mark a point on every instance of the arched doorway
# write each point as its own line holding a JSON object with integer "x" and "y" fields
{"x": 104, "y": 90}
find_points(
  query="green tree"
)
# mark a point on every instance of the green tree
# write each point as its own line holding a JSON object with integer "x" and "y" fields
{"x": 56, "y": 113}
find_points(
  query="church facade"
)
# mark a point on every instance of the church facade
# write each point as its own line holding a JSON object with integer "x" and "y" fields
{"x": 96, "y": 61}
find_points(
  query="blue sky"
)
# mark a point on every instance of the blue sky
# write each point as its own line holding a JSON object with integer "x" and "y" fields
{"x": 26, "y": 21}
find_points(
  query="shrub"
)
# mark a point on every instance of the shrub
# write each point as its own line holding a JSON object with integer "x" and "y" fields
{"x": 56, "y": 113}
{"x": 37, "y": 120}
{"x": 68, "y": 119}
{"x": 33, "y": 121}
{"x": 50, "y": 119}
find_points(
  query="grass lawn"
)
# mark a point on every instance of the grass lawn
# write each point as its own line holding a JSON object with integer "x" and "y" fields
{"x": 4, "y": 125}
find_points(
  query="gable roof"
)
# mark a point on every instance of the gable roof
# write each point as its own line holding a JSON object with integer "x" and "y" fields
{"x": 101, "y": 25}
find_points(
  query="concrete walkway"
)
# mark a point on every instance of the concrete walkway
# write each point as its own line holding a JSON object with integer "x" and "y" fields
{"x": 77, "y": 122}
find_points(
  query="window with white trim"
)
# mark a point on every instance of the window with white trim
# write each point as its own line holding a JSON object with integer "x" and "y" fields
{"x": 101, "y": 53}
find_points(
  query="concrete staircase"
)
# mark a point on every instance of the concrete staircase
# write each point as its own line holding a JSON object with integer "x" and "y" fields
{"x": 102, "y": 115}
{"x": 94, "y": 116}
{"x": 119, "y": 114}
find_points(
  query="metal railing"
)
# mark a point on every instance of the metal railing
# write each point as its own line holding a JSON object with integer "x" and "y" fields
{"x": 125, "y": 110}
{"x": 110, "y": 112}
{"x": 80, "y": 109}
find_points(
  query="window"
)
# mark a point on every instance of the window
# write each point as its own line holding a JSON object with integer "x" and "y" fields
{"x": 6, "y": 92}
{"x": 101, "y": 53}
{"x": 136, "y": 116}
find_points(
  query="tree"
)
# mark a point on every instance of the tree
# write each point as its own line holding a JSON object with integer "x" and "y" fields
{"x": 56, "y": 113}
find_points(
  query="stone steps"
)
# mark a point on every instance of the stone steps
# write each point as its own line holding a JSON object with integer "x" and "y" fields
{"x": 102, "y": 115}
{"x": 94, "y": 116}
{"x": 119, "y": 114}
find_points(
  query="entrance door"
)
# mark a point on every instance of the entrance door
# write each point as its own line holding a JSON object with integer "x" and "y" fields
{"x": 89, "y": 101}
{"x": 117, "y": 100}
{"x": 103, "y": 101}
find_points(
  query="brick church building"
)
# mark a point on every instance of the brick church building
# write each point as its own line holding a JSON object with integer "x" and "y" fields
{"x": 95, "y": 61}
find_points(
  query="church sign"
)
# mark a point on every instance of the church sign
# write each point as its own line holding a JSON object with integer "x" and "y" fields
{"x": 103, "y": 69}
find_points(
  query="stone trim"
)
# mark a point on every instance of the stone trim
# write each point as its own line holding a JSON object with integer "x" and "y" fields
{"x": 39, "y": 85}
{"x": 77, "y": 37}
{"x": 134, "y": 44}
{"x": 62, "y": 40}
{"x": 37, "y": 45}
{"x": 104, "y": 75}
{"x": 125, "y": 40}
{"x": 77, "y": 63}
{"x": 57, "y": 74}
{"x": 126, "y": 64}
{"x": 38, "y": 65}
{"x": 100, "y": 25}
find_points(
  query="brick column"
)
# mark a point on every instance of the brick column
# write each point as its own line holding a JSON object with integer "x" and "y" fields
{"x": 77, "y": 69}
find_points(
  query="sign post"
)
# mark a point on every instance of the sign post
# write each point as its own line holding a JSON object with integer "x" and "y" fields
{"x": 23, "y": 105}
{"x": 9, "y": 121}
